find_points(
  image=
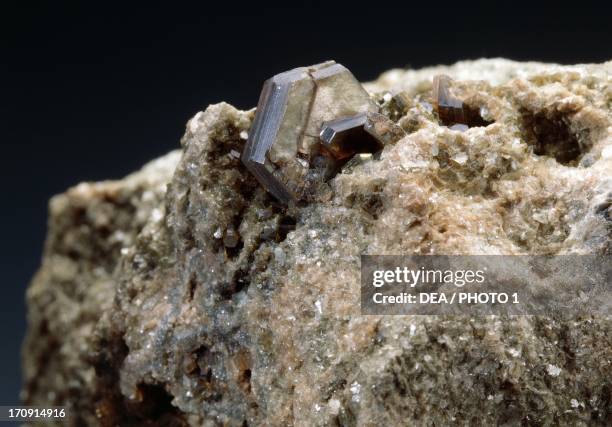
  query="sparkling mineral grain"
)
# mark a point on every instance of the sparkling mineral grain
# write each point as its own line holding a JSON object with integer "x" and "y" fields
{"x": 182, "y": 295}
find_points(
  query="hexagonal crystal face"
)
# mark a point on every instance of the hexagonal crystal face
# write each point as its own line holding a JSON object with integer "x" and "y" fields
{"x": 345, "y": 137}
{"x": 281, "y": 116}
{"x": 284, "y": 137}
{"x": 362, "y": 133}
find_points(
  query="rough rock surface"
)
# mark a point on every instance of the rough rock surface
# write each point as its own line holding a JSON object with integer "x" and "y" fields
{"x": 203, "y": 302}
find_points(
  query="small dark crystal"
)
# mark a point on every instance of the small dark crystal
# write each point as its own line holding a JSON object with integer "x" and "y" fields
{"x": 343, "y": 138}
{"x": 449, "y": 108}
{"x": 453, "y": 111}
{"x": 362, "y": 133}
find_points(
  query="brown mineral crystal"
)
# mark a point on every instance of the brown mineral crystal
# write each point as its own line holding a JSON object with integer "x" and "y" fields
{"x": 449, "y": 108}
{"x": 345, "y": 137}
{"x": 452, "y": 111}
{"x": 283, "y": 142}
{"x": 363, "y": 133}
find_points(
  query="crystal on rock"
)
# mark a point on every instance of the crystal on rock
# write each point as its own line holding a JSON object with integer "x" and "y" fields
{"x": 449, "y": 108}
{"x": 452, "y": 111}
{"x": 283, "y": 142}
{"x": 338, "y": 136}
{"x": 362, "y": 133}
{"x": 272, "y": 142}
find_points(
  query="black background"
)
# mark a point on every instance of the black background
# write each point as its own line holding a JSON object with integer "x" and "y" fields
{"x": 91, "y": 92}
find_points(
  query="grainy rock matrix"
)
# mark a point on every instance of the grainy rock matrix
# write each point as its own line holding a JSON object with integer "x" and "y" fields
{"x": 185, "y": 295}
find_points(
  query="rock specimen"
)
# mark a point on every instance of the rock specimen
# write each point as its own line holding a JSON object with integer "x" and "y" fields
{"x": 185, "y": 295}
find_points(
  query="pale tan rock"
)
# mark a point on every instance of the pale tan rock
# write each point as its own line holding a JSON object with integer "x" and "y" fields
{"x": 91, "y": 228}
{"x": 171, "y": 325}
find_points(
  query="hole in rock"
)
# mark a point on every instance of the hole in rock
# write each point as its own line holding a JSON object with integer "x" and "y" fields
{"x": 370, "y": 199}
{"x": 154, "y": 406}
{"x": 191, "y": 287}
{"x": 234, "y": 251}
{"x": 602, "y": 412}
{"x": 232, "y": 240}
{"x": 155, "y": 403}
{"x": 240, "y": 281}
{"x": 461, "y": 118}
{"x": 473, "y": 117}
{"x": 204, "y": 360}
{"x": 245, "y": 380}
{"x": 285, "y": 225}
{"x": 373, "y": 204}
{"x": 550, "y": 135}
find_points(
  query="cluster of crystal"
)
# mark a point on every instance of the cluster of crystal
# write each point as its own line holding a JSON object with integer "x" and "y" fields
{"x": 283, "y": 149}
